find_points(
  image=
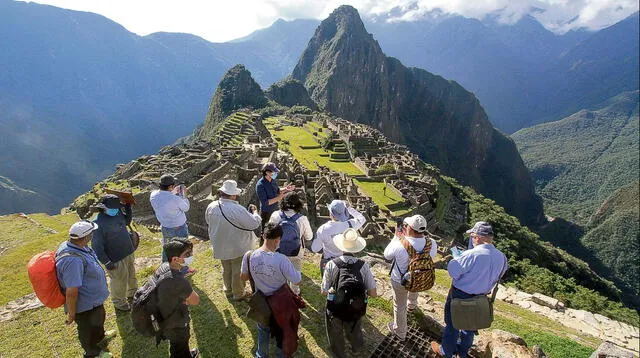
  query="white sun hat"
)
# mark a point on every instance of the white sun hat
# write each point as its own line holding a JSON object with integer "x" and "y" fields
{"x": 349, "y": 241}
{"x": 230, "y": 187}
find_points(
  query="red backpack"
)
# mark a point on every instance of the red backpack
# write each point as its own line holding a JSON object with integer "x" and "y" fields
{"x": 44, "y": 278}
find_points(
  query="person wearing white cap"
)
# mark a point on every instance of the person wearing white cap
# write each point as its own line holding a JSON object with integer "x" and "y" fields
{"x": 84, "y": 284}
{"x": 231, "y": 229}
{"x": 339, "y": 212}
{"x": 342, "y": 318}
{"x": 413, "y": 230}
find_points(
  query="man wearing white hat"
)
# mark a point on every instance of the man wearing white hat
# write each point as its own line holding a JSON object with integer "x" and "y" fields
{"x": 412, "y": 230}
{"x": 231, "y": 229}
{"x": 339, "y": 212}
{"x": 343, "y": 315}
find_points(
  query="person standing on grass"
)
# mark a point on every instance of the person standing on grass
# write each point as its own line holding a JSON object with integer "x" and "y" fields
{"x": 475, "y": 272}
{"x": 269, "y": 193}
{"x": 347, "y": 281}
{"x": 412, "y": 232}
{"x": 339, "y": 212}
{"x": 84, "y": 284}
{"x": 113, "y": 245}
{"x": 270, "y": 271}
{"x": 231, "y": 228}
{"x": 289, "y": 213}
{"x": 175, "y": 295}
{"x": 170, "y": 204}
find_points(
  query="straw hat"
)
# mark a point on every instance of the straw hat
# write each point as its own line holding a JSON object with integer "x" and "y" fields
{"x": 349, "y": 241}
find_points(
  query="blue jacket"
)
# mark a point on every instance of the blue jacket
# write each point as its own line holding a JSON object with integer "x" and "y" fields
{"x": 111, "y": 241}
{"x": 267, "y": 190}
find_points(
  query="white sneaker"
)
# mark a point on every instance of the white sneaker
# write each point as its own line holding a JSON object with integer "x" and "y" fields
{"x": 105, "y": 354}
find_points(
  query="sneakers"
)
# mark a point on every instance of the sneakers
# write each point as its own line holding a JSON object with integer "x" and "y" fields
{"x": 105, "y": 354}
{"x": 108, "y": 335}
{"x": 392, "y": 330}
{"x": 244, "y": 297}
{"x": 435, "y": 347}
{"x": 195, "y": 352}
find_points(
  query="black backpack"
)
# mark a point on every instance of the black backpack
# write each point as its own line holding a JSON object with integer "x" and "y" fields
{"x": 145, "y": 313}
{"x": 350, "y": 299}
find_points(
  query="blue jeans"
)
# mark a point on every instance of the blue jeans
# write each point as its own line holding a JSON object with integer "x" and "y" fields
{"x": 263, "y": 343}
{"x": 169, "y": 233}
{"x": 453, "y": 340}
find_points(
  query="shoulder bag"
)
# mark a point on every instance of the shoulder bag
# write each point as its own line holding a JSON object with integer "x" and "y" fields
{"x": 259, "y": 309}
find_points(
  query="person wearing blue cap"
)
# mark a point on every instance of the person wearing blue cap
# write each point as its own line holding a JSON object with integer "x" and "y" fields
{"x": 339, "y": 212}
{"x": 269, "y": 193}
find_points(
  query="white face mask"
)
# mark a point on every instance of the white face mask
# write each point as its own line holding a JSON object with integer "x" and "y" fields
{"x": 187, "y": 261}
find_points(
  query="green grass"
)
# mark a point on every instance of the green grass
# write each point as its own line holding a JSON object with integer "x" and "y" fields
{"x": 298, "y": 136}
{"x": 376, "y": 191}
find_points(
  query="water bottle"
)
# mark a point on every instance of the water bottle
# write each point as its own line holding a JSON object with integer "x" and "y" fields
{"x": 154, "y": 323}
{"x": 331, "y": 295}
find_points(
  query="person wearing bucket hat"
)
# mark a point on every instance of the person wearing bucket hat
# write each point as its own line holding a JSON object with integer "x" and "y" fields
{"x": 475, "y": 272}
{"x": 336, "y": 271}
{"x": 231, "y": 227}
{"x": 84, "y": 284}
{"x": 113, "y": 245}
{"x": 339, "y": 212}
{"x": 411, "y": 232}
{"x": 269, "y": 193}
{"x": 296, "y": 229}
{"x": 170, "y": 205}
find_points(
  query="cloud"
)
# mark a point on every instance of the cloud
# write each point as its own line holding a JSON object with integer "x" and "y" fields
{"x": 557, "y": 15}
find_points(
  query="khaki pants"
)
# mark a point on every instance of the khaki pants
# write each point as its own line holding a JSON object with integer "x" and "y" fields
{"x": 233, "y": 284}
{"x": 297, "y": 264}
{"x": 123, "y": 281}
{"x": 400, "y": 298}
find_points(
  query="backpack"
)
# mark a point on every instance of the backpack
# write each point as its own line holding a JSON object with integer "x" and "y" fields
{"x": 145, "y": 313}
{"x": 350, "y": 299}
{"x": 421, "y": 274}
{"x": 44, "y": 276}
{"x": 290, "y": 242}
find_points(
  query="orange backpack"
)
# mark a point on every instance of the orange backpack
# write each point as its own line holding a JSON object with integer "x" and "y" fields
{"x": 44, "y": 278}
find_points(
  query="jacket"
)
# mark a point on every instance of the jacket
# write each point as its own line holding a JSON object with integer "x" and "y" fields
{"x": 286, "y": 316}
{"x": 111, "y": 241}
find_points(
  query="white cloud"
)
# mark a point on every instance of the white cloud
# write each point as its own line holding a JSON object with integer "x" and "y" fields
{"x": 225, "y": 20}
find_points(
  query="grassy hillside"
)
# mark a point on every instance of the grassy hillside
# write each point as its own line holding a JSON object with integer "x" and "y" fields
{"x": 219, "y": 328}
{"x": 579, "y": 161}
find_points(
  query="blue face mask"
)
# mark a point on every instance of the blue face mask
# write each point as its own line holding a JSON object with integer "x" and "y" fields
{"x": 274, "y": 176}
{"x": 112, "y": 212}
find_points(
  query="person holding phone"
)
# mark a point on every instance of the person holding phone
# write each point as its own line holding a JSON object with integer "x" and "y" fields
{"x": 269, "y": 193}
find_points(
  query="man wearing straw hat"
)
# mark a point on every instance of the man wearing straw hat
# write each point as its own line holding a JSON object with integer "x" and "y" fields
{"x": 337, "y": 273}
{"x": 231, "y": 229}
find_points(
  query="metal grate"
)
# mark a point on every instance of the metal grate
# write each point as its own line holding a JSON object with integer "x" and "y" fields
{"x": 417, "y": 344}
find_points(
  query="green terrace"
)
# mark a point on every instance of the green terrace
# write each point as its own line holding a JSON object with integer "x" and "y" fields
{"x": 234, "y": 129}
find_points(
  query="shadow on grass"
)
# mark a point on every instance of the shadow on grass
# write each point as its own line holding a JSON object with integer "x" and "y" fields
{"x": 134, "y": 344}
{"x": 215, "y": 331}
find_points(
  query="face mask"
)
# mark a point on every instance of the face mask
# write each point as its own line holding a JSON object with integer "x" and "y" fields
{"x": 187, "y": 261}
{"x": 112, "y": 212}
{"x": 274, "y": 176}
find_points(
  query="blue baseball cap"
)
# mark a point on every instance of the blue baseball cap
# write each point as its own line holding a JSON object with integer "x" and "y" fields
{"x": 338, "y": 208}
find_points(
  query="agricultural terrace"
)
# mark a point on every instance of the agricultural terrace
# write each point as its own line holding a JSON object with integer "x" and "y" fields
{"x": 382, "y": 197}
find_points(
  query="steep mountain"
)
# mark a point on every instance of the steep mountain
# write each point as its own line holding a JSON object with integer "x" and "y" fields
{"x": 614, "y": 234}
{"x": 290, "y": 92}
{"x": 236, "y": 90}
{"x": 347, "y": 74}
{"x": 577, "y": 162}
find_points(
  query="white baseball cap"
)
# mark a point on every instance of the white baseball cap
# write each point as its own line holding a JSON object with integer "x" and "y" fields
{"x": 82, "y": 229}
{"x": 417, "y": 223}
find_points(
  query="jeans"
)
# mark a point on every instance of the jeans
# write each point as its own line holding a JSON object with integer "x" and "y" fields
{"x": 91, "y": 330}
{"x": 453, "y": 340}
{"x": 263, "y": 343}
{"x": 169, "y": 233}
{"x": 178, "y": 342}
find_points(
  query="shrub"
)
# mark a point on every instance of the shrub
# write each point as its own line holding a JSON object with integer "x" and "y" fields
{"x": 385, "y": 169}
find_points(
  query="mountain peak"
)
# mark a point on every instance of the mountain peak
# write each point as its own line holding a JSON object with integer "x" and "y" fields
{"x": 344, "y": 19}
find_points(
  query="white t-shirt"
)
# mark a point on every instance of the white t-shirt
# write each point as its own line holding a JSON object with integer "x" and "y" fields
{"x": 326, "y": 232}
{"x": 270, "y": 270}
{"x": 396, "y": 251}
{"x": 169, "y": 208}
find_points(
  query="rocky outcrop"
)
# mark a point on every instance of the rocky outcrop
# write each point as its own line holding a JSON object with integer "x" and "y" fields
{"x": 236, "y": 90}
{"x": 610, "y": 350}
{"x": 347, "y": 74}
{"x": 290, "y": 92}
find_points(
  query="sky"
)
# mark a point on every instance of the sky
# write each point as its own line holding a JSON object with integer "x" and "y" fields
{"x": 222, "y": 20}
